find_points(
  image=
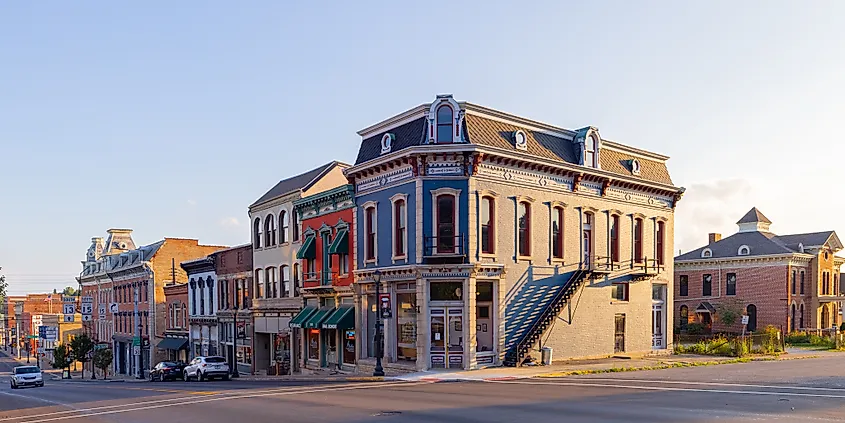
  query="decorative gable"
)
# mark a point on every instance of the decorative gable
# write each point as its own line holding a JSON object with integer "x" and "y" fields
{"x": 445, "y": 121}
{"x": 588, "y": 147}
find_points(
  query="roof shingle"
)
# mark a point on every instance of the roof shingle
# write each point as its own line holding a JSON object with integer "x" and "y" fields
{"x": 296, "y": 182}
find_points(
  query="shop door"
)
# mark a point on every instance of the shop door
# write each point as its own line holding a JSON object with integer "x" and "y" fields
{"x": 619, "y": 339}
{"x": 447, "y": 338}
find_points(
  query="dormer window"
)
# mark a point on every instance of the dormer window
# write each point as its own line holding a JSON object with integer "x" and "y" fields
{"x": 744, "y": 250}
{"x": 590, "y": 147}
{"x": 707, "y": 253}
{"x": 445, "y": 123}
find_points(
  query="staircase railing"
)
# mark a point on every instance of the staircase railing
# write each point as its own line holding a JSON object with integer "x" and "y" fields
{"x": 514, "y": 356}
{"x": 529, "y": 276}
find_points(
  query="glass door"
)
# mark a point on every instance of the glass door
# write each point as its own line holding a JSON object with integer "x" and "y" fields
{"x": 447, "y": 338}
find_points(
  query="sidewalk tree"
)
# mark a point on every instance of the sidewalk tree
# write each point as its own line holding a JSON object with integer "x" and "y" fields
{"x": 81, "y": 345}
{"x": 729, "y": 312}
{"x": 69, "y": 292}
{"x": 61, "y": 357}
{"x": 103, "y": 359}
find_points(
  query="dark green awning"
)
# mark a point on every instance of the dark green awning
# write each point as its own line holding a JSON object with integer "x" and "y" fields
{"x": 340, "y": 245}
{"x": 308, "y": 249}
{"x": 342, "y": 318}
{"x": 174, "y": 344}
{"x": 303, "y": 315}
{"x": 318, "y": 317}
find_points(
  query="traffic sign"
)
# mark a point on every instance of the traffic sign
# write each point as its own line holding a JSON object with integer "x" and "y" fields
{"x": 113, "y": 308}
{"x": 88, "y": 300}
{"x": 68, "y": 308}
{"x": 102, "y": 310}
{"x": 86, "y": 308}
{"x": 136, "y": 350}
{"x": 68, "y": 318}
{"x": 87, "y": 318}
{"x": 136, "y": 341}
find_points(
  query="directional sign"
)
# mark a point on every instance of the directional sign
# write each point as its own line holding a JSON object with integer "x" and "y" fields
{"x": 102, "y": 311}
{"x": 88, "y": 299}
{"x": 68, "y": 318}
{"x": 87, "y": 318}
{"x": 113, "y": 308}
{"x": 68, "y": 308}
{"x": 136, "y": 350}
{"x": 86, "y": 308}
{"x": 51, "y": 333}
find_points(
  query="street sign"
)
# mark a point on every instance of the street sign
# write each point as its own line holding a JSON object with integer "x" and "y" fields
{"x": 51, "y": 333}
{"x": 745, "y": 320}
{"x": 68, "y": 308}
{"x": 86, "y": 308}
{"x": 136, "y": 341}
{"x": 87, "y": 318}
{"x": 88, "y": 299}
{"x": 113, "y": 308}
{"x": 102, "y": 310}
{"x": 136, "y": 350}
{"x": 68, "y": 318}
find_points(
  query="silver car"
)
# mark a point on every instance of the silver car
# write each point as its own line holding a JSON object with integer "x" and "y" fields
{"x": 27, "y": 376}
{"x": 204, "y": 368}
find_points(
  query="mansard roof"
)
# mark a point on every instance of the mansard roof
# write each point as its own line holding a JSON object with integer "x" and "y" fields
{"x": 299, "y": 182}
{"x": 495, "y": 130}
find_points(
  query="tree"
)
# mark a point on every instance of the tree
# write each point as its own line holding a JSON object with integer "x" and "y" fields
{"x": 69, "y": 292}
{"x": 102, "y": 360}
{"x": 61, "y": 357}
{"x": 729, "y": 312}
{"x": 81, "y": 345}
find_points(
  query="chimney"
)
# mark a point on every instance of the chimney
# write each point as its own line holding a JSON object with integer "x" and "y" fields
{"x": 713, "y": 238}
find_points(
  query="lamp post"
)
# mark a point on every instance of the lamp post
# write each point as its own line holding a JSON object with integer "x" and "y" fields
{"x": 379, "y": 335}
{"x": 233, "y": 356}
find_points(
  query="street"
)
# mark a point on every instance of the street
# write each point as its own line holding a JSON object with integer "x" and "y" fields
{"x": 795, "y": 390}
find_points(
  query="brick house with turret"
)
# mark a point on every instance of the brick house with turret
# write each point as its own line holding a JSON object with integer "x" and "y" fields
{"x": 788, "y": 281}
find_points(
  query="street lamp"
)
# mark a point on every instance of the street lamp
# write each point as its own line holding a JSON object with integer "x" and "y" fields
{"x": 379, "y": 337}
{"x": 233, "y": 357}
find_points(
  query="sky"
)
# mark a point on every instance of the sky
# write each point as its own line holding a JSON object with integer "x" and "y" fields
{"x": 170, "y": 118}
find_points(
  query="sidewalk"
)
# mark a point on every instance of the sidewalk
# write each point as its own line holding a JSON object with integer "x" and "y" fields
{"x": 576, "y": 367}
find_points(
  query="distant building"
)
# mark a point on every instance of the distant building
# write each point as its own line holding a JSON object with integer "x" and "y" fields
{"x": 234, "y": 309}
{"x": 788, "y": 281}
{"x": 174, "y": 341}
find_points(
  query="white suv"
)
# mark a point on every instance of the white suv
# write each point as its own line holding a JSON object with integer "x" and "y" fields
{"x": 26, "y": 375}
{"x": 204, "y": 368}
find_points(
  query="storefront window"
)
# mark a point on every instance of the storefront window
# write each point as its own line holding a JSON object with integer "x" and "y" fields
{"x": 314, "y": 344}
{"x": 281, "y": 352}
{"x": 245, "y": 355}
{"x": 330, "y": 344}
{"x": 372, "y": 308}
{"x": 446, "y": 291}
{"x": 406, "y": 321}
{"x": 349, "y": 347}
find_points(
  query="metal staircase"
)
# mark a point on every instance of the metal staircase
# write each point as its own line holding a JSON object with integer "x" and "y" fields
{"x": 533, "y": 309}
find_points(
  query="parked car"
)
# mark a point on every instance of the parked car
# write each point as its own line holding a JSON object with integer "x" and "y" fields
{"x": 204, "y": 368}
{"x": 166, "y": 370}
{"x": 27, "y": 376}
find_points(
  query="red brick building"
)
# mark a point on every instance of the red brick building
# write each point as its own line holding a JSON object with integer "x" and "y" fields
{"x": 114, "y": 272}
{"x": 175, "y": 337}
{"x": 234, "y": 311}
{"x": 788, "y": 281}
{"x": 326, "y": 257}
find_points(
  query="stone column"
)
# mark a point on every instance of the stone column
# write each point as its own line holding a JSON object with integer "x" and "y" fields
{"x": 470, "y": 333}
{"x": 422, "y": 323}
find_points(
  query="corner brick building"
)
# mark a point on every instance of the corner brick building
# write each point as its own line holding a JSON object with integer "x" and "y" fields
{"x": 788, "y": 281}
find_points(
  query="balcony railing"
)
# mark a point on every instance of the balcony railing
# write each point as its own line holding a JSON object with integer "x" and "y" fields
{"x": 445, "y": 250}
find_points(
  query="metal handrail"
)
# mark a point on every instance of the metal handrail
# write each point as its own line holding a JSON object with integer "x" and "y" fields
{"x": 430, "y": 246}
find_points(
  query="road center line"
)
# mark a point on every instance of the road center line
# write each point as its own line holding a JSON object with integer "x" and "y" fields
{"x": 661, "y": 388}
{"x": 194, "y": 400}
{"x": 106, "y": 407}
{"x": 739, "y": 385}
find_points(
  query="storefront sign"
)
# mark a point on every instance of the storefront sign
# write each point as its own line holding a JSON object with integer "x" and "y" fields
{"x": 386, "y": 309}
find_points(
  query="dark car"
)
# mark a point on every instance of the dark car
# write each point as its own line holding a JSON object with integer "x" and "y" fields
{"x": 166, "y": 370}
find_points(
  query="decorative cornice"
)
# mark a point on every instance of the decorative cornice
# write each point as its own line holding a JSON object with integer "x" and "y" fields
{"x": 745, "y": 261}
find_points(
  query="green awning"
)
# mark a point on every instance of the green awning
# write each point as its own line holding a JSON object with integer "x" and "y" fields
{"x": 340, "y": 245}
{"x": 308, "y": 249}
{"x": 174, "y": 344}
{"x": 303, "y": 315}
{"x": 342, "y": 318}
{"x": 318, "y": 317}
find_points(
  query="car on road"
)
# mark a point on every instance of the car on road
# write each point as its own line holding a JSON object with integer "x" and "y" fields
{"x": 205, "y": 368}
{"x": 26, "y": 376}
{"x": 166, "y": 370}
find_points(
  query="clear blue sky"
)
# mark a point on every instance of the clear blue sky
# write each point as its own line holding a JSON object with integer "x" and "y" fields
{"x": 172, "y": 117}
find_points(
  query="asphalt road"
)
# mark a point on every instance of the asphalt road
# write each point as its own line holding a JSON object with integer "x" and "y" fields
{"x": 788, "y": 391}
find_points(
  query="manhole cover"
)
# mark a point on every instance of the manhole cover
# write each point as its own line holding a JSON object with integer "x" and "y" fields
{"x": 387, "y": 413}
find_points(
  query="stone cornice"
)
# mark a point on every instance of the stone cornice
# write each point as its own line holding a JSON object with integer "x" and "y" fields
{"x": 794, "y": 259}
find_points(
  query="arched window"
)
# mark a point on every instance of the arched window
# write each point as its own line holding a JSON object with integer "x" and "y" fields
{"x": 399, "y": 228}
{"x": 751, "y": 310}
{"x": 801, "y": 316}
{"x": 792, "y": 320}
{"x": 370, "y": 232}
{"x": 256, "y": 233}
{"x": 660, "y": 242}
{"x": 614, "y": 238}
{"x": 446, "y": 222}
{"x": 524, "y": 228}
{"x": 587, "y": 239}
{"x": 590, "y": 155}
{"x": 296, "y": 226}
{"x": 638, "y": 240}
{"x": 259, "y": 284}
{"x": 743, "y": 250}
{"x": 557, "y": 232}
{"x": 284, "y": 222}
{"x": 444, "y": 124}
{"x": 684, "y": 317}
{"x": 488, "y": 224}
{"x": 271, "y": 285}
{"x": 285, "y": 276}
{"x": 706, "y": 253}
{"x": 825, "y": 321}
{"x": 269, "y": 231}
{"x": 296, "y": 279}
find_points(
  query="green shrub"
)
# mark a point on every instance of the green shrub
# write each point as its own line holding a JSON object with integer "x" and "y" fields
{"x": 695, "y": 328}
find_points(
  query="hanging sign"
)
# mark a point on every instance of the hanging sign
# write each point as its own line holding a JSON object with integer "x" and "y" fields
{"x": 384, "y": 304}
